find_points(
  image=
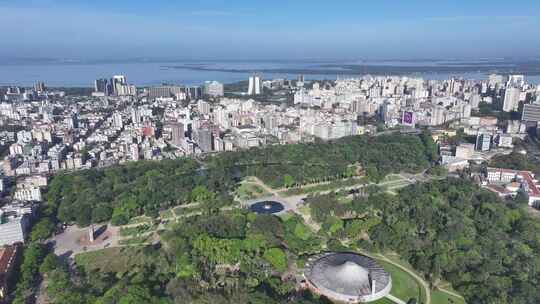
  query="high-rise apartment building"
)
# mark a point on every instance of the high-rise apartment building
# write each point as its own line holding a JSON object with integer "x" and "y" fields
{"x": 117, "y": 121}
{"x": 203, "y": 107}
{"x": 102, "y": 86}
{"x": 511, "y": 99}
{"x": 39, "y": 86}
{"x": 531, "y": 112}
{"x": 203, "y": 138}
{"x": 159, "y": 92}
{"x": 483, "y": 142}
{"x": 177, "y": 133}
{"x": 117, "y": 82}
{"x": 193, "y": 93}
{"x": 213, "y": 89}
{"x": 255, "y": 85}
{"x": 134, "y": 151}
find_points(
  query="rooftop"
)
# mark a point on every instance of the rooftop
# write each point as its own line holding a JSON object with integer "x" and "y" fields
{"x": 347, "y": 274}
{"x": 7, "y": 257}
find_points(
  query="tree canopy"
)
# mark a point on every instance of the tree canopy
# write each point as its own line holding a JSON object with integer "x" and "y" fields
{"x": 124, "y": 191}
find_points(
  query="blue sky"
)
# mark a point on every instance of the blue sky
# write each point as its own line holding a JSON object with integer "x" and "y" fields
{"x": 277, "y": 29}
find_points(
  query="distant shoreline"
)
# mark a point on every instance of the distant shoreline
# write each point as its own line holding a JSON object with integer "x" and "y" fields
{"x": 83, "y": 74}
{"x": 528, "y": 69}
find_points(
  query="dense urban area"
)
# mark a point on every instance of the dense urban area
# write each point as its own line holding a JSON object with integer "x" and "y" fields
{"x": 259, "y": 191}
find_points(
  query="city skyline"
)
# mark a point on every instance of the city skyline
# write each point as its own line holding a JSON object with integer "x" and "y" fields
{"x": 272, "y": 152}
{"x": 254, "y": 30}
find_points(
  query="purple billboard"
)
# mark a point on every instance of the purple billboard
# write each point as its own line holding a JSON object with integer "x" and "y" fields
{"x": 408, "y": 118}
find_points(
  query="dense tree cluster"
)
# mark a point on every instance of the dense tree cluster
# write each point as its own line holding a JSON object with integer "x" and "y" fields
{"x": 487, "y": 248}
{"x": 122, "y": 192}
{"x": 515, "y": 161}
{"x": 29, "y": 272}
{"x": 219, "y": 258}
{"x": 318, "y": 161}
{"x": 125, "y": 191}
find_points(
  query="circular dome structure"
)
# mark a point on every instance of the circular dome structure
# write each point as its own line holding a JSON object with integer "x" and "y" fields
{"x": 267, "y": 207}
{"x": 347, "y": 277}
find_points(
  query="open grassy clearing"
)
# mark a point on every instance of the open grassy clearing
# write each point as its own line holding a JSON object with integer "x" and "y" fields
{"x": 139, "y": 219}
{"x": 117, "y": 259}
{"x": 323, "y": 187}
{"x": 404, "y": 286}
{"x": 248, "y": 191}
{"x": 166, "y": 214}
{"x": 392, "y": 177}
{"x": 440, "y": 297}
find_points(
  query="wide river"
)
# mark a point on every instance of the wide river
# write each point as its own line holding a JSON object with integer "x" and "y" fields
{"x": 156, "y": 73}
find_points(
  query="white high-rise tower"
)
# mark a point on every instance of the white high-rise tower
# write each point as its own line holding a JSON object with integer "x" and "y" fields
{"x": 511, "y": 99}
{"x": 255, "y": 85}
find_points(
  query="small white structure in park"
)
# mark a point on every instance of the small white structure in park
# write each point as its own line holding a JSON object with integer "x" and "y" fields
{"x": 91, "y": 234}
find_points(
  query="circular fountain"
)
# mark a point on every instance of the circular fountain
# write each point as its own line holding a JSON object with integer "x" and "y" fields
{"x": 267, "y": 207}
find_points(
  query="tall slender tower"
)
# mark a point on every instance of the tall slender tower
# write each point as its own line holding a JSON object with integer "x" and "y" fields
{"x": 255, "y": 85}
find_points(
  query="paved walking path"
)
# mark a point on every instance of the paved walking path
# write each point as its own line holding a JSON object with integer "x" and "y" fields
{"x": 395, "y": 300}
{"x": 451, "y": 293}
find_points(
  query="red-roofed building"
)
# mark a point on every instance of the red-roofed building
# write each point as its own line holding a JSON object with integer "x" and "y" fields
{"x": 8, "y": 259}
{"x": 525, "y": 178}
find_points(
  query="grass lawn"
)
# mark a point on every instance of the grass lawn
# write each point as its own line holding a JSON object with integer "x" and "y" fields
{"x": 250, "y": 179}
{"x": 392, "y": 177}
{"x": 166, "y": 214}
{"x": 397, "y": 184}
{"x": 393, "y": 187}
{"x": 139, "y": 219}
{"x": 440, "y": 297}
{"x": 404, "y": 286}
{"x": 137, "y": 240}
{"x": 178, "y": 211}
{"x": 446, "y": 285}
{"x": 322, "y": 187}
{"x": 115, "y": 259}
{"x": 383, "y": 301}
{"x": 122, "y": 260}
{"x": 305, "y": 210}
{"x": 285, "y": 216}
{"x": 345, "y": 200}
{"x": 394, "y": 257}
{"x": 136, "y": 230}
{"x": 248, "y": 191}
{"x": 436, "y": 296}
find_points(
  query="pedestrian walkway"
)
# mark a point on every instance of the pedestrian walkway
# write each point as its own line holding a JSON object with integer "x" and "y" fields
{"x": 395, "y": 300}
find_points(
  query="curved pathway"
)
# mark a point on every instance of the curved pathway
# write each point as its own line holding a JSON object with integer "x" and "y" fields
{"x": 421, "y": 280}
{"x": 395, "y": 299}
{"x": 450, "y": 293}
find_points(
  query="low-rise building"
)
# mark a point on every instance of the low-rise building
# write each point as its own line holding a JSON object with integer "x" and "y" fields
{"x": 14, "y": 223}
{"x": 8, "y": 260}
{"x": 515, "y": 181}
{"x": 28, "y": 193}
{"x": 465, "y": 151}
